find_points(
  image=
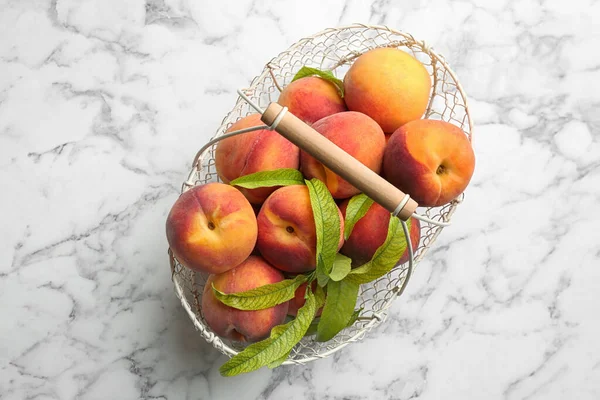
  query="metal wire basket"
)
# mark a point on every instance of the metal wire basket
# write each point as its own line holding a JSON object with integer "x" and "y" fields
{"x": 332, "y": 49}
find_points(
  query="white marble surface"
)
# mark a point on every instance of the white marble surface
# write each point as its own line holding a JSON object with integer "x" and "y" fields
{"x": 103, "y": 104}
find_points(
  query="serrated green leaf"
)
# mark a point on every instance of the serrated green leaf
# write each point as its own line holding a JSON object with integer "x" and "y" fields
{"x": 319, "y": 298}
{"x": 327, "y": 223}
{"x": 279, "y": 361}
{"x": 339, "y": 306}
{"x": 322, "y": 277}
{"x": 277, "y": 177}
{"x": 385, "y": 257}
{"x": 357, "y": 208}
{"x": 312, "y": 329}
{"x": 271, "y": 350}
{"x": 327, "y": 75}
{"x": 262, "y": 297}
{"x": 341, "y": 267}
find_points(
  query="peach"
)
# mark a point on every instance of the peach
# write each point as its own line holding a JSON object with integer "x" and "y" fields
{"x": 211, "y": 228}
{"x": 251, "y": 152}
{"x": 311, "y": 99}
{"x": 242, "y": 325}
{"x": 388, "y": 85}
{"x": 287, "y": 236}
{"x": 370, "y": 233}
{"x": 298, "y": 301}
{"x": 431, "y": 160}
{"x": 355, "y": 133}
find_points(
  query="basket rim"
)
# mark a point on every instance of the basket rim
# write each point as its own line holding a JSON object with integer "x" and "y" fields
{"x": 214, "y": 339}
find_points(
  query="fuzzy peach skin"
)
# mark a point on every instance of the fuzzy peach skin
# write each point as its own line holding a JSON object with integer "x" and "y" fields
{"x": 311, "y": 99}
{"x": 388, "y": 85}
{"x": 251, "y": 152}
{"x": 241, "y": 325}
{"x": 211, "y": 228}
{"x": 432, "y": 161}
{"x": 355, "y": 133}
{"x": 370, "y": 233}
{"x": 287, "y": 235}
{"x": 298, "y": 301}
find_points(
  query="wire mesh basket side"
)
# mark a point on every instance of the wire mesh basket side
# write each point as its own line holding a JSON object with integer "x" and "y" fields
{"x": 333, "y": 49}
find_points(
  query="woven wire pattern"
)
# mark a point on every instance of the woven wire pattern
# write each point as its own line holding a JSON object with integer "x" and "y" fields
{"x": 333, "y": 49}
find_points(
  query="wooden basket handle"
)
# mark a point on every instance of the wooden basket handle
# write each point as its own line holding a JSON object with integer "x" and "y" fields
{"x": 340, "y": 162}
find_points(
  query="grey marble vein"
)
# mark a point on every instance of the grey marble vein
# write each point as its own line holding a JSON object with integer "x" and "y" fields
{"x": 103, "y": 104}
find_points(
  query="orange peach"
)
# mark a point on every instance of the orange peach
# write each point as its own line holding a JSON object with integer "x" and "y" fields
{"x": 311, "y": 99}
{"x": 431, "y": 160}
{"x": 251, "y": 152}
{"x": 211, "y": 228}
{"x": 388, "y": 85}
{"x": 387, "y": 137}
{"x": 242, "y": 325}
{"x": 370, "y": 233}
{"x": 355, "y": 133}
{"x": 287, "y": 235}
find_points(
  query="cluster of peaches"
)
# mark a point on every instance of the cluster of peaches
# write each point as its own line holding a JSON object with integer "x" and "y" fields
{"x": 247, "y": 238}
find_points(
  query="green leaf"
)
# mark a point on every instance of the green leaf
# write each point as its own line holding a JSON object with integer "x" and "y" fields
{"x": 354, "y": 317}
{"x": 341, "y": 267}
{"x": 320, "y": 298}
{"x": 357, "y": 208}
{"x": 385, "y": 257}
{"x": 322, "y": 277}
{"x": 272, "y": 350}
{"x": 339, "y": 306}
{"x": 312, "y": 329}
{"x": 262, "y": 297}
{"x": 279, "y": 361}
{"x": 327, "y": 223}
{"x": 327, "y": 75}
{"x": 277, "y": 177}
